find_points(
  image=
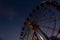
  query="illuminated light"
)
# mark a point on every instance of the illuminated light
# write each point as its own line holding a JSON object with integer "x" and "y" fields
{"x": 41, "y": 37}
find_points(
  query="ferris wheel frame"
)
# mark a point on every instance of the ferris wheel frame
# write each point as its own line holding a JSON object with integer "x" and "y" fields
{"x": 42, "y": 4}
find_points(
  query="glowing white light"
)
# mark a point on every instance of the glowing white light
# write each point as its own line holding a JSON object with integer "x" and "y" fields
{"x": 41, "y": 37}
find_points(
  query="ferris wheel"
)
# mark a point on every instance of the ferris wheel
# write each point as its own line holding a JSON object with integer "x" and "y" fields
{"x": 43, "y": 22}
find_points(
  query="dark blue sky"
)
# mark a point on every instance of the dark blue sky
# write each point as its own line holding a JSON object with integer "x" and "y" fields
{"x": 12, "y": 16}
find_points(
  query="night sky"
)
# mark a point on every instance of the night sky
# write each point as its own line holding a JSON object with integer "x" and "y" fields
{"x": 12, "y": 16}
